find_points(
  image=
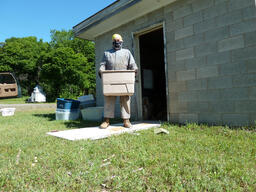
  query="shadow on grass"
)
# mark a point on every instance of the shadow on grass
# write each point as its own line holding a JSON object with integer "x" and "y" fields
{"x": 48, "y": 116}
{"x": 79, "y": 123}
{"x": 82, "y": 123}
{"x": 192, "y": 126}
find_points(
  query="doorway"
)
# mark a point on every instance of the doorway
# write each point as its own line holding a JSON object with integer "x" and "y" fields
{"x": 153, "y": 79}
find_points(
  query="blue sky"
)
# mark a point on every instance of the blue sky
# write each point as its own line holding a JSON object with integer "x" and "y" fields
{"x": 22, "y": 18}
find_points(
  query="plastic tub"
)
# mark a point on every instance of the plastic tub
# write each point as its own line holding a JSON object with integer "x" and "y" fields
{"x": 85, "y": 98}
{"x": 67, "y": 103}
{"x": 8, "y": 111}
{"x": 92, "y": 113}
{"x": 87, "y": 101}
{"x": 86, "y": 104}
{"x": 66, "y": 114}
{"x": 118, "y": 82}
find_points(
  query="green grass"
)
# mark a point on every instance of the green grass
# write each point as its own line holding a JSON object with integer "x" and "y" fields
{"x": 190, "y": 158}
{"x": 21, "y": 100}
{"x": 15, "y": 100}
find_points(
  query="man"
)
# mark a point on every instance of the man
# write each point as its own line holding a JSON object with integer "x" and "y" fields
{"x": 117, "y": 58}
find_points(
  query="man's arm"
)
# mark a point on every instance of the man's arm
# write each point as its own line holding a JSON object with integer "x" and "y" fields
{"x": 131, "y": 63}
{"x": 102, "y": 65}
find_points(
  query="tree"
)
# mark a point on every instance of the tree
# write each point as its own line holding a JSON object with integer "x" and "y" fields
{"x": 67, "y": 39}
{"x": 64, "y": 67}
{"x": 65, "y": 73}
{"x": 20, "y": 55}
{"x": 86, "y": 48}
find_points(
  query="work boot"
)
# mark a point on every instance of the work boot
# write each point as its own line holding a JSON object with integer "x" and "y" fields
{"x": 127, "y": 123}
{"x": 105, "y": 123}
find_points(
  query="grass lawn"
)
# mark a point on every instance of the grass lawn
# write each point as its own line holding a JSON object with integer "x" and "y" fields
{"x": 15, "y": 100}
{"x": 190, "y": 158}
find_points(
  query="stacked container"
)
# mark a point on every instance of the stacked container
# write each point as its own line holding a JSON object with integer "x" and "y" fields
{"x": 67, "y": 109}
{"x": 88, "y": 110}
{"x": 87, "y": 101}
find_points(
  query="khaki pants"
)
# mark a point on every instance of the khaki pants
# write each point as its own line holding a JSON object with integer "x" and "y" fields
{"x": 109, "y": 106}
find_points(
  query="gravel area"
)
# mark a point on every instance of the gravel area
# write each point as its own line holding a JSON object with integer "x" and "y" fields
{"x": 29, "y": 106}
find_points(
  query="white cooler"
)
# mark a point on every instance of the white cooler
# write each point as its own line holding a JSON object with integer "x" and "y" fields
{"x": 7, "y": 111}
{"x": 118, "y": 82}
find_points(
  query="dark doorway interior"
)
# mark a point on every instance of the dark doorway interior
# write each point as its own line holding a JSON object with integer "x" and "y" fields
{"x": 154, "y": 105}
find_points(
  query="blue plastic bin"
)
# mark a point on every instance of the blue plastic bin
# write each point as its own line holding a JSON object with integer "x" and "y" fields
{"x": 67, "y": 103}
{"x": 67, "y": 114}
{"x": 85, "y": 104}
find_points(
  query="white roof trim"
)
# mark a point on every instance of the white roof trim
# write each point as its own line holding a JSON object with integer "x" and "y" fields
{"x": 115, "y": 15}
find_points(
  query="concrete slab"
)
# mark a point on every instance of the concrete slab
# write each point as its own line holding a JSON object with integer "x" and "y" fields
{"x": 94, "y": 133}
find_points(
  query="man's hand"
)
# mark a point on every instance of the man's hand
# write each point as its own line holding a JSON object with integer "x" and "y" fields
{"x": 99, "y": 73}
{"x": 136, "y": 72}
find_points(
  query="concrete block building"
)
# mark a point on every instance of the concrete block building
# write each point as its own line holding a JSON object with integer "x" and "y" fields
{"x": 196, "y": 58}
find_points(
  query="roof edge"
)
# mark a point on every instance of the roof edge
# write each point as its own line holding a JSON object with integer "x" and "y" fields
{"x": 93, "y": 20}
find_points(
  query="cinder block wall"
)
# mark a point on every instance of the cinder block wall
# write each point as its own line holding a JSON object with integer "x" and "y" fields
{"x": 212, "y": 61}
{"x": 211, "y": 58}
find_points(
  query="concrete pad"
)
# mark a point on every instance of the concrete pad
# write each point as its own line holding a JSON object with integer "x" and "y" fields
{"x": 94, "y": 133}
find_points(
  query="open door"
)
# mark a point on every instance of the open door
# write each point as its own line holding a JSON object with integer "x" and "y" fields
{"x": 153, "y": 80}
